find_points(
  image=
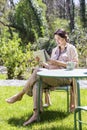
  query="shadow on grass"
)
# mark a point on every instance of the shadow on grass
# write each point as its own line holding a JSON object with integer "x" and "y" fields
{"x": 46, "y": 116}
{"x": 50, "y": 115}
{"x": 18, "y": 121}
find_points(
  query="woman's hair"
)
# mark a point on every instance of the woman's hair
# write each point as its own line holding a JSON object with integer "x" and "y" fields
{"x": 62, "y": 34}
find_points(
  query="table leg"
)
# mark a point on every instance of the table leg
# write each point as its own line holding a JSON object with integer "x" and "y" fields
{"x": 79, "y": 103}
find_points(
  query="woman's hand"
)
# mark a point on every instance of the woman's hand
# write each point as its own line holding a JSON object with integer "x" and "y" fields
{"x": 45, "y": 65}
{"x": 37, "y": 59}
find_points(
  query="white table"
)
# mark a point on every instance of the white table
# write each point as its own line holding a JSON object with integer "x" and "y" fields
{"x": 61, "y": 73}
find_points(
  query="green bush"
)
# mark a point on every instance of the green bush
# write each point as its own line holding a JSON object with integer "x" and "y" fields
{"x": 44, "y": 43}
{"x": 14, "y": 57}
{"x": 78, "y": 37}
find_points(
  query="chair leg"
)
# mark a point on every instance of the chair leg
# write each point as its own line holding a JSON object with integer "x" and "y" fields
{"x": 79, "y": 119}
{"x": 67, "y": 100}
{"x": 66, "y": 89}
{"x": 75, "y": 124}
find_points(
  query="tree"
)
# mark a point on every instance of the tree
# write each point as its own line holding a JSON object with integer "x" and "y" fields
{"x": 83, "y": 13}
{"x": 27, "y": 18}
{"x": 6, "y": 11}
{"x": 70, "y": 12}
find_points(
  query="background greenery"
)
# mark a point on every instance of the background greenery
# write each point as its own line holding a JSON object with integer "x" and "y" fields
{"x": 29, "y": 25}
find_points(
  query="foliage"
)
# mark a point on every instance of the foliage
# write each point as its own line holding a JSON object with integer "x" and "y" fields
{"x": 6, "y": 13}
{"x": 14, "y": 57}
{"x": 29, "y": 20}
{"x": 56, "y": 23}
{"x": 78, "y": 37}
{"x": 44, "y": 43}
{"x": 70, "y": 12}
{"x": 83, "y": 13}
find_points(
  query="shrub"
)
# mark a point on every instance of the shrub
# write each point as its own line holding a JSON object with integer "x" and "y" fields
{"x": 14, "y": 57}
{"x": 79, "y": 38}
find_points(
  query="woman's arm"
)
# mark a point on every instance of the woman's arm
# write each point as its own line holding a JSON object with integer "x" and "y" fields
{"x": 57, "y": 63}
{"x": 45, "y": 65}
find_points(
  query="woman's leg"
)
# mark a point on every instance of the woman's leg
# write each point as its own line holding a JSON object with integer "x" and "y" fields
{"x": 47, "y": 98}
{"x": 33, "y": 118}
{"x": 27, "y": 88}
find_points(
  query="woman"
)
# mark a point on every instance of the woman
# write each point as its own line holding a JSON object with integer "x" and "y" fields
{"x": 61, "y": 55}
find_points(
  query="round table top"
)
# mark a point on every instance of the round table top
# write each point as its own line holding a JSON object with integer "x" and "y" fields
{"x": 63, "y": 73}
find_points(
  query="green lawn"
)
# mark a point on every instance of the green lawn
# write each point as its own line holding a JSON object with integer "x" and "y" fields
{"x": 53, "y": 118}
{"x": 3, "y": 76}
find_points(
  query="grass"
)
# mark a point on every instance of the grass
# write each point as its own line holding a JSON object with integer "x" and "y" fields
{"x": 53, "y": 118}
{"x": 3, "y": 76}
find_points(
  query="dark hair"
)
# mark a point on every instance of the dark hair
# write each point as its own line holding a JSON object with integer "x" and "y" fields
{"x": 62, "y": 34}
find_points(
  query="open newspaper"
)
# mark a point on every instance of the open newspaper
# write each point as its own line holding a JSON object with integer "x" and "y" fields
{"x": 42, "y": 55}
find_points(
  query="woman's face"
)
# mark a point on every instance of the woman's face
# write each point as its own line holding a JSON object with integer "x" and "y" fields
{"x": 59, "y": 40}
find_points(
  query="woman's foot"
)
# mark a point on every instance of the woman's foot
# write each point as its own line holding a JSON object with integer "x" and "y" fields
{"x": 31, "y": 120}
{"x": 47, "y": 105}
{"x": 14, "y": 98}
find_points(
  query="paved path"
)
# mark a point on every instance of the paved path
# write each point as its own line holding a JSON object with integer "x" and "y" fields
{"x": 12, "y": 82}
{"x": 83, "y": 83}
{"x": 3, "y": 70}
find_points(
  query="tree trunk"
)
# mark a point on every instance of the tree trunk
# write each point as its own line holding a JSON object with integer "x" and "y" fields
{"x": 70, "y": 12}
{"x": 82, "y": 13}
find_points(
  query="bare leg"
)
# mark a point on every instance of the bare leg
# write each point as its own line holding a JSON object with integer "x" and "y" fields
{"x": 47, "y": 99}
{"x": 16, "y": 97}
{"x": 32, "y": 119}
{"x": 26, "y": 88}
{"x": 34, "y": 116}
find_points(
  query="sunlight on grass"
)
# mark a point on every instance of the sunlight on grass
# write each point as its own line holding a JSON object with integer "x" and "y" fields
{"x": 53, "y": 118}
{"x": 3, "y": 76}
